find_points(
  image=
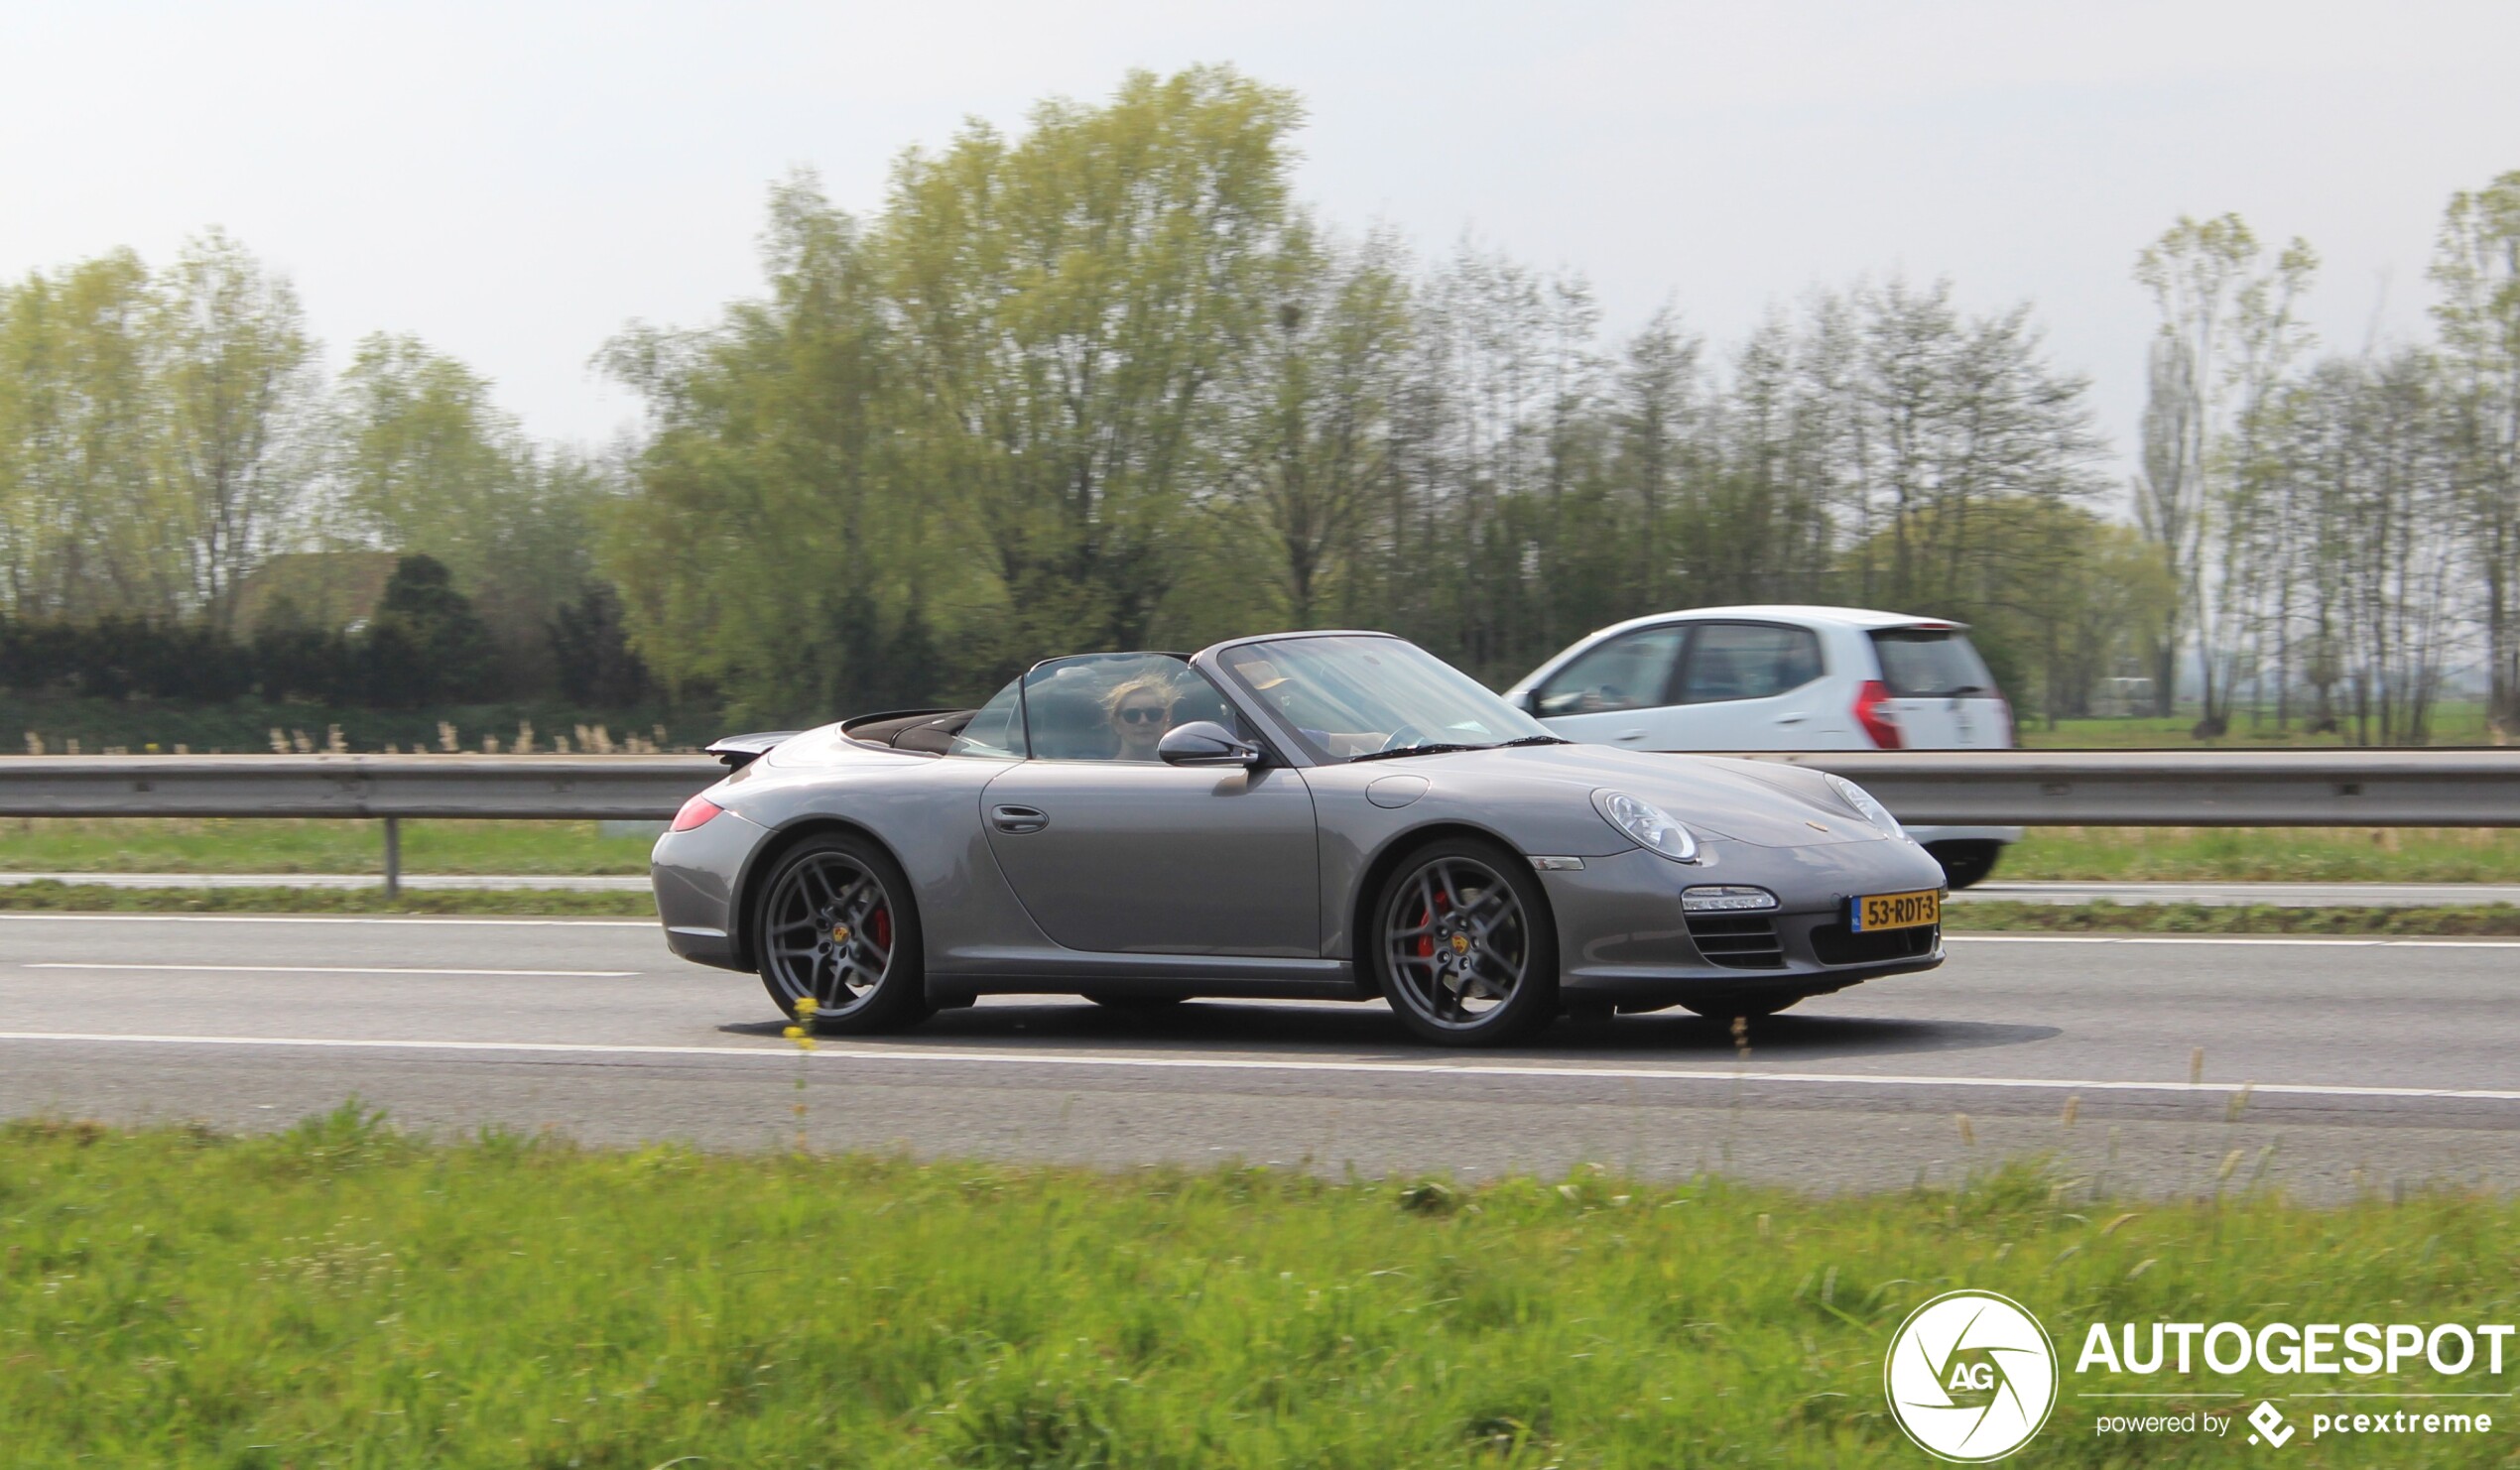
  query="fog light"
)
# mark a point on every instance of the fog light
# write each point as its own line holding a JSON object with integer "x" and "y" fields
{"x": 1721, "y": 897}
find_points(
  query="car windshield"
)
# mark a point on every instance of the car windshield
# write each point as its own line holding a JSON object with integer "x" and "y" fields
{"x": 1351, "y": 697}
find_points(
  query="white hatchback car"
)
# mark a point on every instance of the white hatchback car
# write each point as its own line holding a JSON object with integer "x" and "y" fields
{"x": 1785, "y": 679}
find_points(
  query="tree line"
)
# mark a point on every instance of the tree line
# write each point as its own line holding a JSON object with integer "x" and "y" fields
{"x": 2340, "y": 530}
{"x": 179, "y": 475}
{"x": 1106, "y": 382}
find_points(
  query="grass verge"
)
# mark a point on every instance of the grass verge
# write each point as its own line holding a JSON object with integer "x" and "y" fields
{"x": 2265, "y": 855}
{"x": 328, "y": 846}
{"x": 2070, "y": 854}
{"x": 1998, "y": 915}
{"x": 2455, "y": 722}
{"x": 342, "y": 1293}
{"x": 95, "y": 897}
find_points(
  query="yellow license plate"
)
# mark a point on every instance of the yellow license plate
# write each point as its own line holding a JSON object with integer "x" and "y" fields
{"x": 1898, "y": 911}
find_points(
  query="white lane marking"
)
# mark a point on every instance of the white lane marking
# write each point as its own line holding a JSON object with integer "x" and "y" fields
{"x": 433, "y": 919}
{"x": 2339, "y": 941}
{"x": 775, "y": 1052}
{"x": 74, "y": 964}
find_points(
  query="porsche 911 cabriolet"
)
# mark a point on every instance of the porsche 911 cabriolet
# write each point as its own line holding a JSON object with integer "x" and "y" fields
{"x": 1331, "y": 816}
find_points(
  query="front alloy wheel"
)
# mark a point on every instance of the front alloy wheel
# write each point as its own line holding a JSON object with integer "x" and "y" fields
{"x": 836, "y": 924}
{"x": 1468, "y": 953}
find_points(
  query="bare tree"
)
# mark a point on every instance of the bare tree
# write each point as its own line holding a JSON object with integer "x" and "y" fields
{"x": 238, "y": 384}
{"x": 2227, "y": 332}
{"x": 2478, "y": 268}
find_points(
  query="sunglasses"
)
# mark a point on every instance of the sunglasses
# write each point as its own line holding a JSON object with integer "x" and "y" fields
{"x": 1138, "y": 715}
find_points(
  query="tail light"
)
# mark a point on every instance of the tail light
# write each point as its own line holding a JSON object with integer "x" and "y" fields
{"x": 696, "y": 811}
{"x": 1879, "y": 722}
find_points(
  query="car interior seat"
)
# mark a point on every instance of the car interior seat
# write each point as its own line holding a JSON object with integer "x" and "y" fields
{"x": 1069, "y": 724}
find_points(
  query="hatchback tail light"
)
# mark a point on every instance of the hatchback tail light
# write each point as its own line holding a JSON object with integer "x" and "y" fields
{"x": 1877, "y": 721}
{"x": 696, "y": 811}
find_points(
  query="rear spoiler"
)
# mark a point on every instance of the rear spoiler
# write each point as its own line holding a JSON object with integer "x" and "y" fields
{"x": 739, "y": 751}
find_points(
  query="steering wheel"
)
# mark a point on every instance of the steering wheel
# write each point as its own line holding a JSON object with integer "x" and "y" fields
{"x": 1405, "y": 737}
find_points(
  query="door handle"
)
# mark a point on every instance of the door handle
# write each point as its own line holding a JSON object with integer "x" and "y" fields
{"x": 1791, "y": 719}
{"x": 1018, "y": 819}
{"x": 1630, "y": 736}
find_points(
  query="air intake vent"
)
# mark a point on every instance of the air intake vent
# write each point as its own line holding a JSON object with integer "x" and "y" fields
{"x": 1741, "y": 941}
{"x": 1836, "y": 944}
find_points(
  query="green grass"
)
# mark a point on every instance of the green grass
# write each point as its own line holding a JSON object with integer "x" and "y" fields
{"x": 95, "y": 897}
{"x": 2455, "y": 723}
{"x": 2266, "y": 854}
{"x": 244, "y": 726}
{"x": 289, "y": 845}
{"x": 341, "y": 1294}
{"x": 1992, "y": 915}
{"x": 2085, "y": 854}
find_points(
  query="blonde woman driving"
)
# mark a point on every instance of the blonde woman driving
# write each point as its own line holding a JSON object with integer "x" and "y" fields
{"x": 1141, "y": 710}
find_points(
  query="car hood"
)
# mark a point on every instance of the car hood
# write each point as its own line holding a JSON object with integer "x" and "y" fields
{"x": 1756, "y": 801}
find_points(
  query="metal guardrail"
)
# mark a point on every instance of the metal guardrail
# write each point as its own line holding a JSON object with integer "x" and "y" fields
{"x": 2185, "y": 788}
{"x": 2013, "y": 788}
{"x": 519, "y": 787}
{"x": 635, "y": 788}
{"x": 2017, "y": 788}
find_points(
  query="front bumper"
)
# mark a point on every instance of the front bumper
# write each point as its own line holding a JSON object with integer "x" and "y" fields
{"x": 1623, "y": 935}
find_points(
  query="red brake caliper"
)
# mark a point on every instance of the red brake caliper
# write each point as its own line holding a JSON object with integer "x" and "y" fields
{"x": 1425, "y": 920}
{"x": 881, "y": 921}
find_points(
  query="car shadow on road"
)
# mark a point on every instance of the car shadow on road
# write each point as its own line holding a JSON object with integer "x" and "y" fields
{"x": 1369, "y": 1031}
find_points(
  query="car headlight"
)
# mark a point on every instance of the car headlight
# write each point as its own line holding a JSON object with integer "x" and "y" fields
{"x": 1646, "y": 825}
{"x": 1862, "y": 801}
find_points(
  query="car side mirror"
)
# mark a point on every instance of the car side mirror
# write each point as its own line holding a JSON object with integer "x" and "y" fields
{"x": 1205, "y": 743}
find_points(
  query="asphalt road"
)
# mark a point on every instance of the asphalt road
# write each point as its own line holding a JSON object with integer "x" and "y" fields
{"x": 2219, "y": 895}
{"x": 2326, "y": 1066}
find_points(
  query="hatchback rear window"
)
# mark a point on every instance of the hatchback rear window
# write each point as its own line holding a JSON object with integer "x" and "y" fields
{"x": 1927, "y": 662}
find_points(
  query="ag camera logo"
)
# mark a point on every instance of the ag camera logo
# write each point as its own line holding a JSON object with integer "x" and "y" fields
{"x": 1971, "y": 1377}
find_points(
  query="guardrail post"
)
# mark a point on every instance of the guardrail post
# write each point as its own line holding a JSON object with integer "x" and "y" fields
{"x": 393, "y": 858}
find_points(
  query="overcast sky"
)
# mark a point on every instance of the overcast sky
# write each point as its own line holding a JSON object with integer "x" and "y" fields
{"x": 515, "y": 182}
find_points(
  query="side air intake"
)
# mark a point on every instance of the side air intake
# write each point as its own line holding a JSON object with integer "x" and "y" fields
{"x": 1741, "y": 941}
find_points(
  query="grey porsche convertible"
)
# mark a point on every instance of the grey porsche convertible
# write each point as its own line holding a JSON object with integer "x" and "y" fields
{"x": 1319, "y": 815}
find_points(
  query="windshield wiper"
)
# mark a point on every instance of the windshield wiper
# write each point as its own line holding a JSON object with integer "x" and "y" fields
{"x": 1447, "y": 747}
{"x": 1430, "y": 748}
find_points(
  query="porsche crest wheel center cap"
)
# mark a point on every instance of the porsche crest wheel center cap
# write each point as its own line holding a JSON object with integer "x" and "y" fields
{"x": 1461, "y": 943}
{"x": 839, "y": 933}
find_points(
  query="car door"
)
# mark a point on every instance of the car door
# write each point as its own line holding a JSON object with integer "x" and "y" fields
{"x": 1618, "y": 691}
{"x": 1751, "y": 686}
{"x": 1119, "y": 856}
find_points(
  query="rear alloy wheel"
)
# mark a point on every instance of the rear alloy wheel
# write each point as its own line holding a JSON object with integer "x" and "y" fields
{"x": 1464, "y": 947}
{"x": 837, "y": 924}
